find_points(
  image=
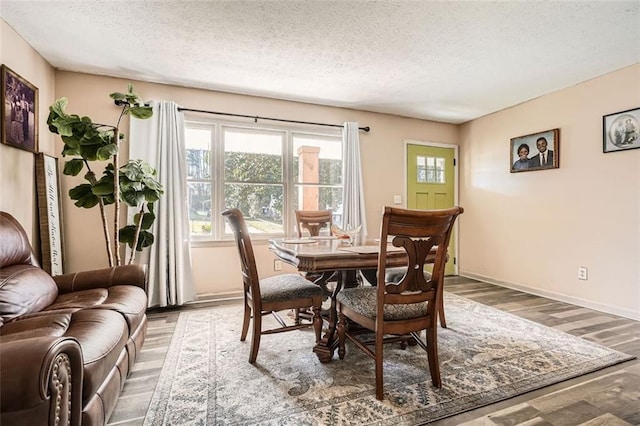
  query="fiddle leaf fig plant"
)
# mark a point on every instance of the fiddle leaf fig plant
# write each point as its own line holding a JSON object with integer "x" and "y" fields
{"x": 89, "y": 145}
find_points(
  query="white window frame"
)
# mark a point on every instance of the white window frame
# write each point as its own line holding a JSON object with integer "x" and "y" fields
{"x": 217, "y": 127}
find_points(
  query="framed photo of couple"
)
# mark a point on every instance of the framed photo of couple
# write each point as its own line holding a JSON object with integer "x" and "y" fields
{"x": 537, "y": 151}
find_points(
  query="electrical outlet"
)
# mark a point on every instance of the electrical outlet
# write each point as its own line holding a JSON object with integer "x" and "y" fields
{"x": 583, "y": 273}
{"x": 397, "y": 199}
{"x": 277, "y": 265}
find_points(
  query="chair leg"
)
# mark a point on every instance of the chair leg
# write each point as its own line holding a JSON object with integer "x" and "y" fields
{"x": 317, "y": 322}
{"x": 245, "y": 322}
{"x": 255, "y": 338}
{"x": 342, "y": 329}
{"x": 378, "y": 358}
{"x": 443, "y": 322}
{"x": 432, "y": 355}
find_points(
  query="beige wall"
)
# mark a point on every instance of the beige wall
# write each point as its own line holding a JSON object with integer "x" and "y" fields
{"x": 532, "y": 230}
{"x": 17, "y": 170}
{"x": 216, "y": 267}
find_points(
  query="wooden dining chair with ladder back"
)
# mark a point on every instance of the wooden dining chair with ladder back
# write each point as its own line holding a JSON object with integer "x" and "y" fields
{"x": 313, "y": 221}
{"x": 395, "y": 310}
{"x": 270, "y": 295}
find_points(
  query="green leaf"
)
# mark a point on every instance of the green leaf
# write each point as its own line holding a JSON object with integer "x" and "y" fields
{"x": 147, "y": 220}
{"x": 133, "y": 198}
{"x": 87, "y": 202}
{"x": 102, "y": 189}
{"x": 105, "y": 152}
{"x": 118, "y": 96}
{"x": 73, "y": 167}
{"x": 80, "y": 191}
{"x": 59, "y": 106}
{"x": 83, "y": 196}
{"x": 145, "y": 239}
{"x": 141, "y": 112}
{"x": 127, "y": 234}
{"x": 89, "y": 152}
{"x": 71, "y": 141}
{"x": 67, "y": 150}
{"x": 64, "y": 125}
{"x": 151, "y": 196}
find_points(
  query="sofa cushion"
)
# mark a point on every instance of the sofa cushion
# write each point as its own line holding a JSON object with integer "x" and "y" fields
{"x": 24, "y": 289}
{"x": 79, "y": 299}
{"x": 52, "y": 325}
{"x": 102, "y": 335}
{"x": 130, "y": 301}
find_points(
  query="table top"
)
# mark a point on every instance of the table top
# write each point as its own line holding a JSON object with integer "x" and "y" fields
{"x": 318, "y": 255}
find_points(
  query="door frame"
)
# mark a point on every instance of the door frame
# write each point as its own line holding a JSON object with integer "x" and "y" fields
{"x": 455, "y": 184}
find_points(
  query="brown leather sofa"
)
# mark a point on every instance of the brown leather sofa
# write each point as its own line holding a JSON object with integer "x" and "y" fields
{"x": 67, "y": 343}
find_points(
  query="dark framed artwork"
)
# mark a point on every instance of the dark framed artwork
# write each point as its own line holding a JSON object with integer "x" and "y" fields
{"x": 48, "y": 190}
{"x": 19, "y": 111}
{"x": 537, "y": 151}
{"x": 620, "y": 130}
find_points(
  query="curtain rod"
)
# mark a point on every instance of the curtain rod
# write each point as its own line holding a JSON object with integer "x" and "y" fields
{"x": 257, "y": 117}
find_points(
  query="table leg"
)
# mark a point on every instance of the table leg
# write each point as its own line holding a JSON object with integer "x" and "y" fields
{"x": 327, "y": 345}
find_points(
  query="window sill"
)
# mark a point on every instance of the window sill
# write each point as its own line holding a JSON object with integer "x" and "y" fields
{"x": 261, "y": 241}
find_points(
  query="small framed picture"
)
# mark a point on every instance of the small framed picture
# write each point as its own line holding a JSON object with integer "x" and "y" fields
{"x": 19, "y": 111}
{"x": 620, "y": 131}
{"x": 537, "y": 151}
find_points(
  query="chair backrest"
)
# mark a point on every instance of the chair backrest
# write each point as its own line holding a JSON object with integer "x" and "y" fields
{"x": 250, "y": 277}
{"x": 417, "y": 232}
{"x": 313, "y": 221}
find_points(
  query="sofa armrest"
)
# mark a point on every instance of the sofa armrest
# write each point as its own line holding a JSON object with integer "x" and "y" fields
{"x": 135, "y": 275}
{"x": 41, "y": 380}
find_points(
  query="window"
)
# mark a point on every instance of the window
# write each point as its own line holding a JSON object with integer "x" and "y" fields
{"x": 266, "y": 172}
{"x": 430, "y": 169}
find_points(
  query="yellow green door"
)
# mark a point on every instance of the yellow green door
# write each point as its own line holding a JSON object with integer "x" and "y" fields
{"x": 431, "y": 184}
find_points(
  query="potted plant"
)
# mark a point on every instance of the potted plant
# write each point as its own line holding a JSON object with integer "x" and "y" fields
{"x": 89, "y": 145}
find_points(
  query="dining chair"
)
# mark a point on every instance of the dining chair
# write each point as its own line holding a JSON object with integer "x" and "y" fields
{"x": 270, "y": 295}
{"x": 395, "y": 310}
{"x": 313, "y": 221}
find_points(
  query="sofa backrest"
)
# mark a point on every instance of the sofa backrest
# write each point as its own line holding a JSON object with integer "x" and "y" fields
{"x": 24, "y": 287}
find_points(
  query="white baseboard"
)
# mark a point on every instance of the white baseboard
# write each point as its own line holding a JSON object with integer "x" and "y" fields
{"x": 627, "y": 313}
{"x": 217, "y": 297}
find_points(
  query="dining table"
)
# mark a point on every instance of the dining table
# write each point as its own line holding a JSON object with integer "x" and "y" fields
{"x": 337, "y": 261}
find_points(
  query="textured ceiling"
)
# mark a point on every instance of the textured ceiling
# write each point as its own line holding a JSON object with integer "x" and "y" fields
{"x": 448, "y": 61}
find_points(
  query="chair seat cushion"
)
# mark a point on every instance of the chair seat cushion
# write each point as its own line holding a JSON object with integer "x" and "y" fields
{"x": 363, "y": 300}
{"x": 287, "y": 287}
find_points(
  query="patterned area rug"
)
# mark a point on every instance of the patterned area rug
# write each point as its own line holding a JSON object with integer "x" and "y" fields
{"x": 485, "y": 356}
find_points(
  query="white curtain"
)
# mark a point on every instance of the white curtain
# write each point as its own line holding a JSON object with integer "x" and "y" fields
{"x": 353, "y": 208}
{"x": 159, "y": 141}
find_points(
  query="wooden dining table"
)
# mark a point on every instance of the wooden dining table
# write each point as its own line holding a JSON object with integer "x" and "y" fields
{"x": 333, "y": 257}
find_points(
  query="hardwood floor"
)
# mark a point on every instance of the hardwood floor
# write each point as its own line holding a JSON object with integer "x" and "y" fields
{"x": 607, "y": 397}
